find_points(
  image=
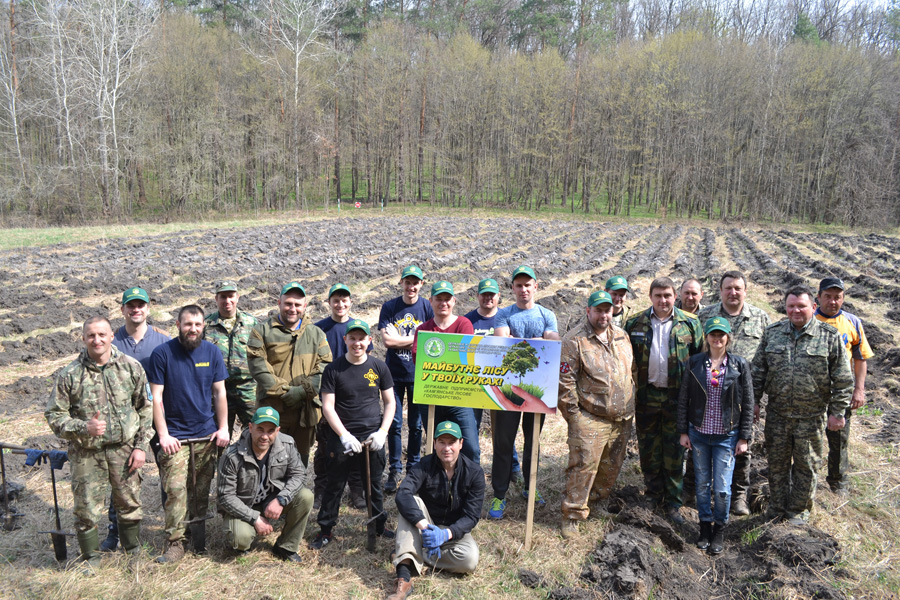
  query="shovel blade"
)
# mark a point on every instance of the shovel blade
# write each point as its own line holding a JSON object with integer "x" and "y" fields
{"x": 59, "y": 546}
{"x": 198, "y": 537}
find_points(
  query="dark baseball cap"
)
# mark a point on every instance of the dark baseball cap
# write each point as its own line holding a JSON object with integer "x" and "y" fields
{"x": 442, "y": 287}
{"x": 616, "y": 282}
{"x": 338, "y": 287}
{"x": 488, "y": 286}
{"x": 293, "y": 285}
{"x": 412, "y": 271}
{"x": 135, "y": 294}
{"x": 448, "y": 428}
{"x": 523, "y": 270}
{"x": 831, "y": 282}
{"x": 357, "y": 324}
{"x": 266, "y": 414}
{"x": 716, "y": 324}
{"x": 599, "y": 297}
{"x": 226, "y": 286}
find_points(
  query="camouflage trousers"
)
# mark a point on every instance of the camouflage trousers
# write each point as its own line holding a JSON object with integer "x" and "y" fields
{"x": 794, "y": 449}
{"x": 177, "y": 483}
{"x": 662, "y": 457}
{"x": 241, "y": 403}
{"x": 596, "y": 452}
{"x": 92, "y": 472}
{"x": 838, "y": 460}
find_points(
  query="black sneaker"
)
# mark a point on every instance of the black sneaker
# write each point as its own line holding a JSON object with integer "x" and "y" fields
{"x": 393, "y": 480}
{"x": 286, "y": 555}
{"x": 387, "y": 534}
{"x": 322, "y": 539}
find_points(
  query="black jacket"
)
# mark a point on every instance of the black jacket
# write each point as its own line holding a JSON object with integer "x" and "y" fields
{"x": 737, "y": 395}
{"x": 455, "y": 504}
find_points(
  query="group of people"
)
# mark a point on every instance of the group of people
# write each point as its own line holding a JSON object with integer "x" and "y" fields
{"x": 293, "y": 385}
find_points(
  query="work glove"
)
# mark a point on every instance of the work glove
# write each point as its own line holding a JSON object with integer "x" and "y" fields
{"x": 435, "y": 537}
{"x": 294, "y": 396}
{"x": 433, "y": 554}
{"x": 351, "y": 444}
{"x": 376, "y": 440}
{"x": 58, "y": 458}
{"x": 35, "y": 457}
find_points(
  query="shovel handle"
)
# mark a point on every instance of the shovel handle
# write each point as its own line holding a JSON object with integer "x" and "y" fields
{"x": 195, "y": 440}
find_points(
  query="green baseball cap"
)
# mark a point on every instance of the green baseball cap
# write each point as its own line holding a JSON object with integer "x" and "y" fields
{"x": 616, "y": 282}
{"x": 488, "y": 286}
{"x": 599, "y": 297}
{"x": 442, "y": 287}
{"x": 135, "y": 294}
{"x": 226, "y": 286}
{"x": 412, "y": 271}
{"x": 338, "y": 287}
{"x": 266, "y": 414}
{"x": 294, "y": 285}
{"x": 448, "y": 428}
{"x": 357, "y": 324}
{"x": 523, "y": 270}
{"x": 716, "y": 324}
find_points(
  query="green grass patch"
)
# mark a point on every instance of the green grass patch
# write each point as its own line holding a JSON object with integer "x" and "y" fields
{"x": 537, "y": 392}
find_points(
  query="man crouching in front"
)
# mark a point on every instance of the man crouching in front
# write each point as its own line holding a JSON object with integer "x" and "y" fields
{"x": 439, "y": 503}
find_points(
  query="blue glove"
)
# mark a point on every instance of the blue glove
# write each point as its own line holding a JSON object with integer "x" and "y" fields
{"x": 435, "y": 537}
{"x": 58, "y": 458}
{"x": 433, "y": 555}
{"x": 35, "y": 457}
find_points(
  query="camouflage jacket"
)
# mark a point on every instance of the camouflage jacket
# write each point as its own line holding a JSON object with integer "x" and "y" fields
{"x": 804, "y": 375}
{"x": 622, "y": 318}
{"x": 233, "y": 346}
{"x": 746, "y": 328}
{"x": 699, "y": 310}
{"x": 685, "y": 340}
{"x": 280, "y": 359}
{"x": 118, "y": 390}
{"x": 596, "y": 377}
{"x": 239, "y": 473}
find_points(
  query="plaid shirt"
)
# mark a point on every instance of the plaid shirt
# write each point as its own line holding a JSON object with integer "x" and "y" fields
{"x": 712, "y": 417}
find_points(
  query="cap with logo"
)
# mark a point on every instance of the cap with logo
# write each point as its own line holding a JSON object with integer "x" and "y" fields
{"x": 488, "y": 286}
{"x": 448, "y": 428}
{"x": 616, "y": 282}
{"x": 523, "y": 270}
{"x": 358, "y": 324}
{"x": 266, "y": 414}
{"x": 442, "y": 287}
{"x": 338, "y": 287}
{"x": 293, "y": 285}
{"x": 412, "y": 271}
{"x": 716, "y": 324}
{"x": 599, "y": 297}
{"x": 135, "y": 294}
{"x": 831, "y": 282}
{"x": 226, "y": 286}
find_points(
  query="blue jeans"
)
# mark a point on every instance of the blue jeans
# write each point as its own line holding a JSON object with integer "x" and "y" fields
{"x": 465, "y": 418}
{"x": 713, "y": 468}
{"x": 414, "y": 423}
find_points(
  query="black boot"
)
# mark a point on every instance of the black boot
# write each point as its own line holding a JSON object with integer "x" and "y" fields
{"x": 705, "y": 535}
{"x": 717, "y": 542}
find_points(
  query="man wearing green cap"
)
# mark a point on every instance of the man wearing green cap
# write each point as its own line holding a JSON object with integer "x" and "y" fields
{"x": 397, "y": 323}
{"x": 617, "y": 287}
{"x": 355, "y": 388}
{"x": 229, "y": 329}
{"x": 287, "y": 355}
{"x": 596, "y": 398}
{"x": 439, "y": 503}
{"x": 261, "y": 480}
{"x": 335, "y": 327}
{"x": 443, "y": 302}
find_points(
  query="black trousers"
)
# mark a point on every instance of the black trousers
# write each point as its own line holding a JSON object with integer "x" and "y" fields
{"x": 506, "y": 425}
{"x": 338, "y": 469}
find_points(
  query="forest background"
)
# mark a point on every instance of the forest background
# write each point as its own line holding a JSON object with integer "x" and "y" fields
{"x": 132, "y": 110}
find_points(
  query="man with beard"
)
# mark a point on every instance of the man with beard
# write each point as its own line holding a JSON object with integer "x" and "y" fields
{"x": 287, "y": 355}
{"x": 184, "y": 374}
{"x": 229, "y": 329}
{"x": 596, "y": 398}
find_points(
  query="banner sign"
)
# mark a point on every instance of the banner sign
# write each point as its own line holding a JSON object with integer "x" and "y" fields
{"x": 496, "y": 373}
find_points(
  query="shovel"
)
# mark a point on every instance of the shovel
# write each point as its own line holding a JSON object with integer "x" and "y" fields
{"x": 370, "y": 523}
{"x": 57, "y": 536}
{"x": 198, "y": 523}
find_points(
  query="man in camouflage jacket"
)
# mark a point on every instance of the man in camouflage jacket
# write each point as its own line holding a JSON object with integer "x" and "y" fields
{"x": 656, "y": 404}
{"x": 101, "y": 406}
{"x": 803, "y": 367}
{"x": 287, "y": 355}
{"x": 229, "y": 329}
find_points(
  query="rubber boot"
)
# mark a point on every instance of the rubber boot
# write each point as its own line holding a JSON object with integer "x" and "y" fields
{"x": 130, "y": 534}
{"x": 89, "y": 543}
{"x": 717, "y": 541}
{"x": 705, "y": 535}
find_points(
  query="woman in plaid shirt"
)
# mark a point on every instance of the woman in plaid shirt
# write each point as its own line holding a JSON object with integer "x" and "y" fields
{"x": 715, "y": 419}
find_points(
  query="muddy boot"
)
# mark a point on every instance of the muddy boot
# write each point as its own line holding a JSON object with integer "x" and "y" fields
{"x": 705, "y": 535}
{"x": 89, "y": 543}
{"x": 130, "y": 536}
{"x": 174, "y": 552}
{"x": 569, "y": 528}
{"x": 739, "y": 506}
{"x": 717, "y": 541}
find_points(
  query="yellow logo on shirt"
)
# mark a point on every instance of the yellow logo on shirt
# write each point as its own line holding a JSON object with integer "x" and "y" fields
{"x": 203, "y": 364}
{"x": 372, "y": 377}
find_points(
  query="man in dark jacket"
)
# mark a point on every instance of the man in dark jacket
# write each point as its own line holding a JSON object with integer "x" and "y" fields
{"x": 260, "y": 480}
{"x": 439, "y": 504}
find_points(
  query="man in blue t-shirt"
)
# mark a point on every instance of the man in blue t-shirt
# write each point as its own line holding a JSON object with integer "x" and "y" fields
{"x": 184, "y": 374}
{"x": 397, "y": 323}
{"x": 527, "y": 320}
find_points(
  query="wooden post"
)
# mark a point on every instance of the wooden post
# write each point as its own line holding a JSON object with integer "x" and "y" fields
{"x": 429, "y": 431}
{"x": 532, "y": 481}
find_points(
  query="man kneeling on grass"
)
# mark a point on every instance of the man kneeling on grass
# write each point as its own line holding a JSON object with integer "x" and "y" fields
{"x": 260, "y": 481}
{"x": 439, "y": 504}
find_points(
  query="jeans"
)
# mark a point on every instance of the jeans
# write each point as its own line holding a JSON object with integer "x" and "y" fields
{"x": 414, "y": 423}
{"x": 713, "y": 468}
{"x": 465, "y": 418}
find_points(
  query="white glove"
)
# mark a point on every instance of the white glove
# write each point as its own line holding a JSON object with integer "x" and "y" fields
{"x": 351, "y": 444}
{"x": 376, "y": 440}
